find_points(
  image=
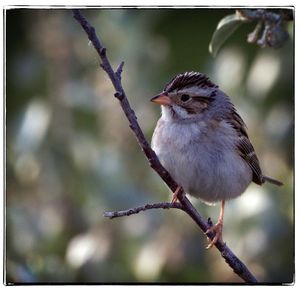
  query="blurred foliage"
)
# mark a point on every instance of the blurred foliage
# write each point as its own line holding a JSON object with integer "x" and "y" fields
{"x": 71, "y": 155}
{"x": 225, "y": 28}
{"x": 270, "y": 29}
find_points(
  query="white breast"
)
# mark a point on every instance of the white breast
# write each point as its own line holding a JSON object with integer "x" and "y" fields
{"x": 204, "y": 163}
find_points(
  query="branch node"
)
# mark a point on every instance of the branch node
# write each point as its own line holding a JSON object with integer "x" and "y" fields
{"x": 120, "y": 70}
{"x": 209, "y": 222}
{"x": 118, "y": 95}
{"x": 102, "y": 52}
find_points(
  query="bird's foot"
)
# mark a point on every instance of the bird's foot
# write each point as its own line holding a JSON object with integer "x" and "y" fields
{"x": 217, "y": 229}
{"x": 174, "y": 196}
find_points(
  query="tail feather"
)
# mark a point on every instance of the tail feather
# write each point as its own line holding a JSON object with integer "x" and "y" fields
{"x": 272, "y": 181}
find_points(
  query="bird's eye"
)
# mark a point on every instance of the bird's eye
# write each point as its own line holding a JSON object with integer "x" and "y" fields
{"x": 185, "y": 97}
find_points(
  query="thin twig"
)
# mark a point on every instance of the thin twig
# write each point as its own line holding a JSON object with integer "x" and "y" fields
{"x": 233, "y": 261}
{"x": 120, "y": 70}
{"x": 163, "y": 205}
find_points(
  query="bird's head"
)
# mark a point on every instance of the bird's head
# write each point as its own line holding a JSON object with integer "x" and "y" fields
{"x": 188, "y": 95}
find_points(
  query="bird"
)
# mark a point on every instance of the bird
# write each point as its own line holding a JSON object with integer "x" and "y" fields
{"x": 202, "y": 141}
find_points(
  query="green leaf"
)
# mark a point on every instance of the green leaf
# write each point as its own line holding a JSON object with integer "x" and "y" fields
{"x": 225, "y": 28}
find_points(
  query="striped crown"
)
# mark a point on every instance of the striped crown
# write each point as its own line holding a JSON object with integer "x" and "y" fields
{"x": 189, "y": 79}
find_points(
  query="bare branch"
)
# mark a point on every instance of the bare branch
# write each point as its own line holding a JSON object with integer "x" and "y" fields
{"x": 120, "y": 94}
{"x": 233, "y": 261}
{"x": 163, "y": 205}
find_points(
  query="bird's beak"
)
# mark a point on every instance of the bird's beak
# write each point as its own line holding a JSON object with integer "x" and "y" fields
{"x": 162, "y": 99}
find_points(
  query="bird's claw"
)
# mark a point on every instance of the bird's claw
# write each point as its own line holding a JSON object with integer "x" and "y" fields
{"x": 174, "y": 196}
{"x": 217, "y": 229}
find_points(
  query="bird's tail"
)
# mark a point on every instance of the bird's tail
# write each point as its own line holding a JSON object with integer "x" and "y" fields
{"x": 272, "y": 181}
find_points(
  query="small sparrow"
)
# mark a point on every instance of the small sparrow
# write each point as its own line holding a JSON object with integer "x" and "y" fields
{"x": 202, "y": 142}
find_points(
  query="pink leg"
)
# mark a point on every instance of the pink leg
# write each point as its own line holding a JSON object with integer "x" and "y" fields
{"x": 217, "y": 228}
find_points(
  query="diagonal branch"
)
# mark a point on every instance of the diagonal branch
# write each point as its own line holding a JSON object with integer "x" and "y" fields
{"x": 232, "y": 260}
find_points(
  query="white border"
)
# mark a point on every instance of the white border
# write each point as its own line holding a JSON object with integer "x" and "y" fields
{"x": 216, "y": 4}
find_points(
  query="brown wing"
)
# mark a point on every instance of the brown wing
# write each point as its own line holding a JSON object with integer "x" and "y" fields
{"x": 245, "y": 147}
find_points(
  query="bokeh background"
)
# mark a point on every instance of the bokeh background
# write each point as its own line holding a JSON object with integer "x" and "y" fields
{"x": 70, "y": 154}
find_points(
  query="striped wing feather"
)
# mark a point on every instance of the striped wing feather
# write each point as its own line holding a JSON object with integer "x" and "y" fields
{"x": 245, "y": 147}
